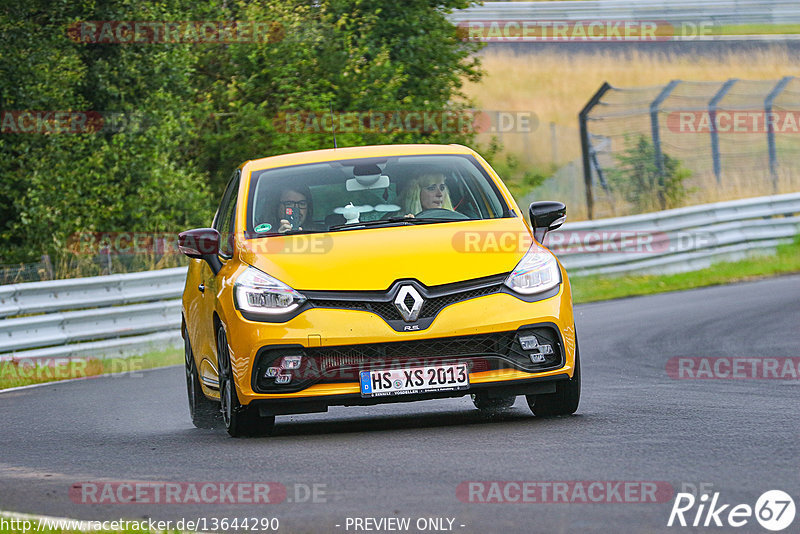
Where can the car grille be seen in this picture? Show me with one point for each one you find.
(384, 307)
(342, 363)
(483, 344)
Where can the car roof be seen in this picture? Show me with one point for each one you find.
(334, 154)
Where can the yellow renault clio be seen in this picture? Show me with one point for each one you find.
(376, 274)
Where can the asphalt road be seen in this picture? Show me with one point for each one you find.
(635, 423)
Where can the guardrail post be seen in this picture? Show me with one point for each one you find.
(773, 154)
(586, 147)
(655, 133)
(712, 115)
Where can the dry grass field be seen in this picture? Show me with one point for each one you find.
(555, 86)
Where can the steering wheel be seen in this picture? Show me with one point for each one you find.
(440, 213)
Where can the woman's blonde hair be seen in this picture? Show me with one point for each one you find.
(409, 196)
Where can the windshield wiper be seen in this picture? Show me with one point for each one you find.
(362, 224)
(290, 232)
(297, 232)
(390, 221)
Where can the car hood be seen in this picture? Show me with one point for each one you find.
(373, 258)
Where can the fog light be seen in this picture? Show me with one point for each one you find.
(272, 372)
(291, 362)
(529, 342)
(538, 352)
(283, 379)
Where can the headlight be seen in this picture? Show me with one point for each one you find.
(258, 292)
(536, 272)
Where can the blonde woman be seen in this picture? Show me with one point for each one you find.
(425, 192)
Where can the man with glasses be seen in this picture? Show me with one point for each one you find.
(294, 208)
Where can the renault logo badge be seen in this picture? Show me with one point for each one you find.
(409, 303)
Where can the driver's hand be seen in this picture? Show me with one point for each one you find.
(409, 215)
(285, 226)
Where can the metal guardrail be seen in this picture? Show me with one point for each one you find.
(127, 313)
(43, 297)
(101, 316)
(728, 12)
(678, 240)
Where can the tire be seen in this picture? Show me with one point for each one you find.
(239, 421)
(566, 398)
(203, 411)
(484, 402)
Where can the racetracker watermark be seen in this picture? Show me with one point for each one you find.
(739, 121)
(565, 492)
(51, 122)
(733, 368)
(166, 243)
(198, 524)
(565, 242)
(592, 30)
(162, 31)
(140, 492)
(39, 122)
(410, 121)
(32, 370)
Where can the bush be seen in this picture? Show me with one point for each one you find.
(637, 179)
(519, 180)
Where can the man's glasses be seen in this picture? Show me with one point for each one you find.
(434, 187)
(302, 204)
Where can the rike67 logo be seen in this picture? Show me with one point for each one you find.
(774, 510)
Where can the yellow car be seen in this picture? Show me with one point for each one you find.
(375, 274)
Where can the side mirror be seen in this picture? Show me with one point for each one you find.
(201, 244)
(546, 215)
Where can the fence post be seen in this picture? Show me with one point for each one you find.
(655, 134)
(585, 147)
(498, 127)
(773, 154)
(712, 115)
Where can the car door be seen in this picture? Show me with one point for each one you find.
(223, 223)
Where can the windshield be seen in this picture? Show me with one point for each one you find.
(354, 194)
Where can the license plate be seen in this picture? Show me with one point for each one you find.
(414, 380)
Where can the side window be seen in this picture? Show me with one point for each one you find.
(223, 223)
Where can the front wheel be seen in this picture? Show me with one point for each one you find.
(566, 398)
(239, 420)
(204, 412)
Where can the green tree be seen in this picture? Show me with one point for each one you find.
(197, 110)
(134, 179)
(639, 181)
(351, 55)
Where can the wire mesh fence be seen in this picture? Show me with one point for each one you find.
(686, 142)
(84, 265)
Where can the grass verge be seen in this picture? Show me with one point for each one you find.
(29, 372)
(594, 288)
(757, 29)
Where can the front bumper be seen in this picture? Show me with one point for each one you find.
(528, 386)
(317, 329)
